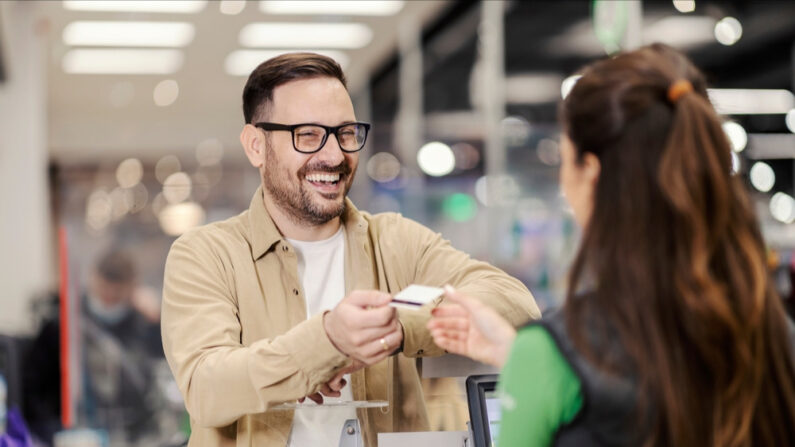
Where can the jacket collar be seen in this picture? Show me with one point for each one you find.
(263, 232)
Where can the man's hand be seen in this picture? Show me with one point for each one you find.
(332, 387)
(468, 327)
(364, 327)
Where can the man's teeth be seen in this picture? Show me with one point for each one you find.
(330, 178)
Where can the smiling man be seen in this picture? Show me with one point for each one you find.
(289, 300)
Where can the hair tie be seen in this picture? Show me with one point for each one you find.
(679, 88)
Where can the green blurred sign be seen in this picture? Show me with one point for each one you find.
(460, 207)
(610, 20)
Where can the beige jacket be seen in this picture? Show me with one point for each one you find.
(237, 339)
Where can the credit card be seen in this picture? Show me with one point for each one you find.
(415, 296)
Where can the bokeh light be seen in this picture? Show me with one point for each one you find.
(685, 6)
(231, 7)
(98, 209)
(499, 190)
(167, 166)
(436, 159)
(166, 92)
(790, 120)
(515, 130)
(736, 163)
(177, 187)
(178, 218)
(466, 155)
(737, 135)
(119, 203)
(129, 172)
(782, 207)
(548, 151)
(136, 198)
(383, 167)
(568, 84)
(728, 31)
(762, 176)
(209, 152)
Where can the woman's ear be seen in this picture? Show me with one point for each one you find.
(591, 168)
(253, 144)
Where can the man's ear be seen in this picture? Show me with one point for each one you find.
(253, 142)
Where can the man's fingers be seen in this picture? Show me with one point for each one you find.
(381, 347)
(326, 390)
(337, 383)
(368, 298)
(317, 398)
(367, 336)
(374, 317)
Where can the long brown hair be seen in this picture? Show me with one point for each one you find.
(677, 258)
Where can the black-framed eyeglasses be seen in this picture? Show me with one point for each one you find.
(309, 138)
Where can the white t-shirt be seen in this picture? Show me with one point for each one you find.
(321, 269)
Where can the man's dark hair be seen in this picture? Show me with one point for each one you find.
(116, 266)
(258, 92)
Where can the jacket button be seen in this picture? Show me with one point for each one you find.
(295, 291)
(284, 248)
(419, 352)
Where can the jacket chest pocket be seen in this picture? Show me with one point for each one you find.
(270, 301)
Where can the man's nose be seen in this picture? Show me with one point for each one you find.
(331, 152)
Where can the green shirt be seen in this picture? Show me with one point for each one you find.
(538, 390)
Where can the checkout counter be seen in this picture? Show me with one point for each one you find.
(483, 409)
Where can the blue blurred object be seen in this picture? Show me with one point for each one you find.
(3, 407)
(17, 434)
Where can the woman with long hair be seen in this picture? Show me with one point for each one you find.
(671, 332)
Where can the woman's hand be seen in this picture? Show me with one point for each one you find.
(465, 326)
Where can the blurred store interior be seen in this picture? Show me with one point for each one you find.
(119, 125)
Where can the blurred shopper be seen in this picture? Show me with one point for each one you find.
(671, 333)
(284, 300)
(119, 348)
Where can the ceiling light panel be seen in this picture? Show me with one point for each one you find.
(128, 34)
(332, 7)
(729, 101)
(682, 32)
(306, 35)
(179, 7)
(122, 61)
(243, 62)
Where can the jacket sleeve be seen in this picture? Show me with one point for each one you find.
(220, 379)
(434, 262)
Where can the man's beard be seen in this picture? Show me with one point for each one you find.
(294, 199)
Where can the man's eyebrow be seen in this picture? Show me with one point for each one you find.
(341, 123)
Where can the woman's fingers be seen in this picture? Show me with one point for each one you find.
(455, 323)
(470, 304)
(449, 310)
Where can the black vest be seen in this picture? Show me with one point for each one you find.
(608, 416)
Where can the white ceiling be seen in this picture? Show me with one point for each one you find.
(85, 126)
